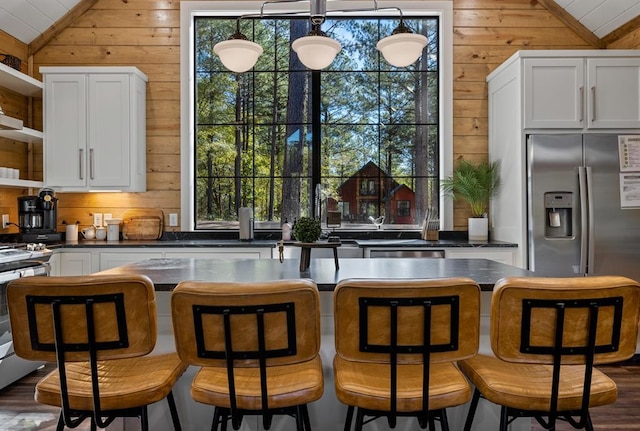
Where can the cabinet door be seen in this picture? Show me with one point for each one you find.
(613, 93)
(72, 263)
(239, 253)
(109, 130)
(554, 93)
(502, 256)
(111, 259)
(65, 125)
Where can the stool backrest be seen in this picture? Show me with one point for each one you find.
(118, 312)
(364, 318)
(536, 319)
(290, 311)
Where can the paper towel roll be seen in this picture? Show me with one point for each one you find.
(245, 217)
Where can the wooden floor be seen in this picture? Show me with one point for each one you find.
(19, 412)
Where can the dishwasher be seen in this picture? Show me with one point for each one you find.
(421, 254)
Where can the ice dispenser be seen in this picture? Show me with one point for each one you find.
(559, 214)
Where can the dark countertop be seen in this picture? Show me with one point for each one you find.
(184, 243)
(402, 243)
(195, 243)
(167, 273)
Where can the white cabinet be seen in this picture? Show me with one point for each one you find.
(613, 100)
(502, 255)
(75, 263)
(95, 128)
(225, 253)
(18, 82)
(580, 90)
(113, 259)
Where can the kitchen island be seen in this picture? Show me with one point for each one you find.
(167, 273)
(327, 413)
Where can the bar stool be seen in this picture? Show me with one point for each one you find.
(100, 331)
(258, 345)
(396, 343)
(547, 334)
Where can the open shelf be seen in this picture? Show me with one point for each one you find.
(23, 135)
(19, 82)
(7, 182)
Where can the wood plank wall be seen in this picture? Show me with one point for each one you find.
(145, 33)
(14, 154)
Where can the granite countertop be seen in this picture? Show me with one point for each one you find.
(181, 243)
(272, 243)
(167, 273)
(404, 243)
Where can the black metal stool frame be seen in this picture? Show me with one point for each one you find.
(425, 417)
(72, 418)
(558, 350)
(221, 414)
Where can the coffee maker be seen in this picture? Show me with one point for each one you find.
(37, 217)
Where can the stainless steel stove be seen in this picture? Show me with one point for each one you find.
(17, 260)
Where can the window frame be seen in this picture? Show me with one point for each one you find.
(191, 9)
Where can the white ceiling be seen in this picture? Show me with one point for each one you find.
(27, 19)
(602, 16)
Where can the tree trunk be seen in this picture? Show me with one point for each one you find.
(421, 144)
(295, 132)
(239, 144)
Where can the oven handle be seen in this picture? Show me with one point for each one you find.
(42, 270)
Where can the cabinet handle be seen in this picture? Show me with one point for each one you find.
(593, 103)
(581, 104)
(80, 163)
(91, 163)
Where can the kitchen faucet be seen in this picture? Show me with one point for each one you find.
(318, 201)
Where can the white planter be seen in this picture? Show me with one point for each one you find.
(478, 229)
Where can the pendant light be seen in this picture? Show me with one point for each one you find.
(403, 47)
(238, 54)
(317, 50)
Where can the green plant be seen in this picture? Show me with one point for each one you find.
(474, 183)
(307, 229)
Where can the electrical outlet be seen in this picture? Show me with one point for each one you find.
(97, 219)
(5, 221)
(173, 219)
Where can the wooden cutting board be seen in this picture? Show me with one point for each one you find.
(141, 224)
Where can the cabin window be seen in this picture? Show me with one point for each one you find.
(361, 128)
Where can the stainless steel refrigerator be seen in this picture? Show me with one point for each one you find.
(575, 222)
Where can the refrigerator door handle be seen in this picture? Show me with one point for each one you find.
(592, 234)
(582, 177)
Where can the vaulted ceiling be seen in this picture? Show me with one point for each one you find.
(595, 20)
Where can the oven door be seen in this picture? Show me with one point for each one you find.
(13, 368)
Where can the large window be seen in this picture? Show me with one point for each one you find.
(367, 132)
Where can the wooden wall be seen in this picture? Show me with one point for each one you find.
(145, 33)
(14, 154)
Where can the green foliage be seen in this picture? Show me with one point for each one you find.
(244, 122)
(307, 229)
(474, 183)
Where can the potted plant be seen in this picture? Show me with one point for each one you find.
(307, 229)
(475, 183)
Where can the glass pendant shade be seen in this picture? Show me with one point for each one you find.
(402, 49)
(238, 55)
(316, 52)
